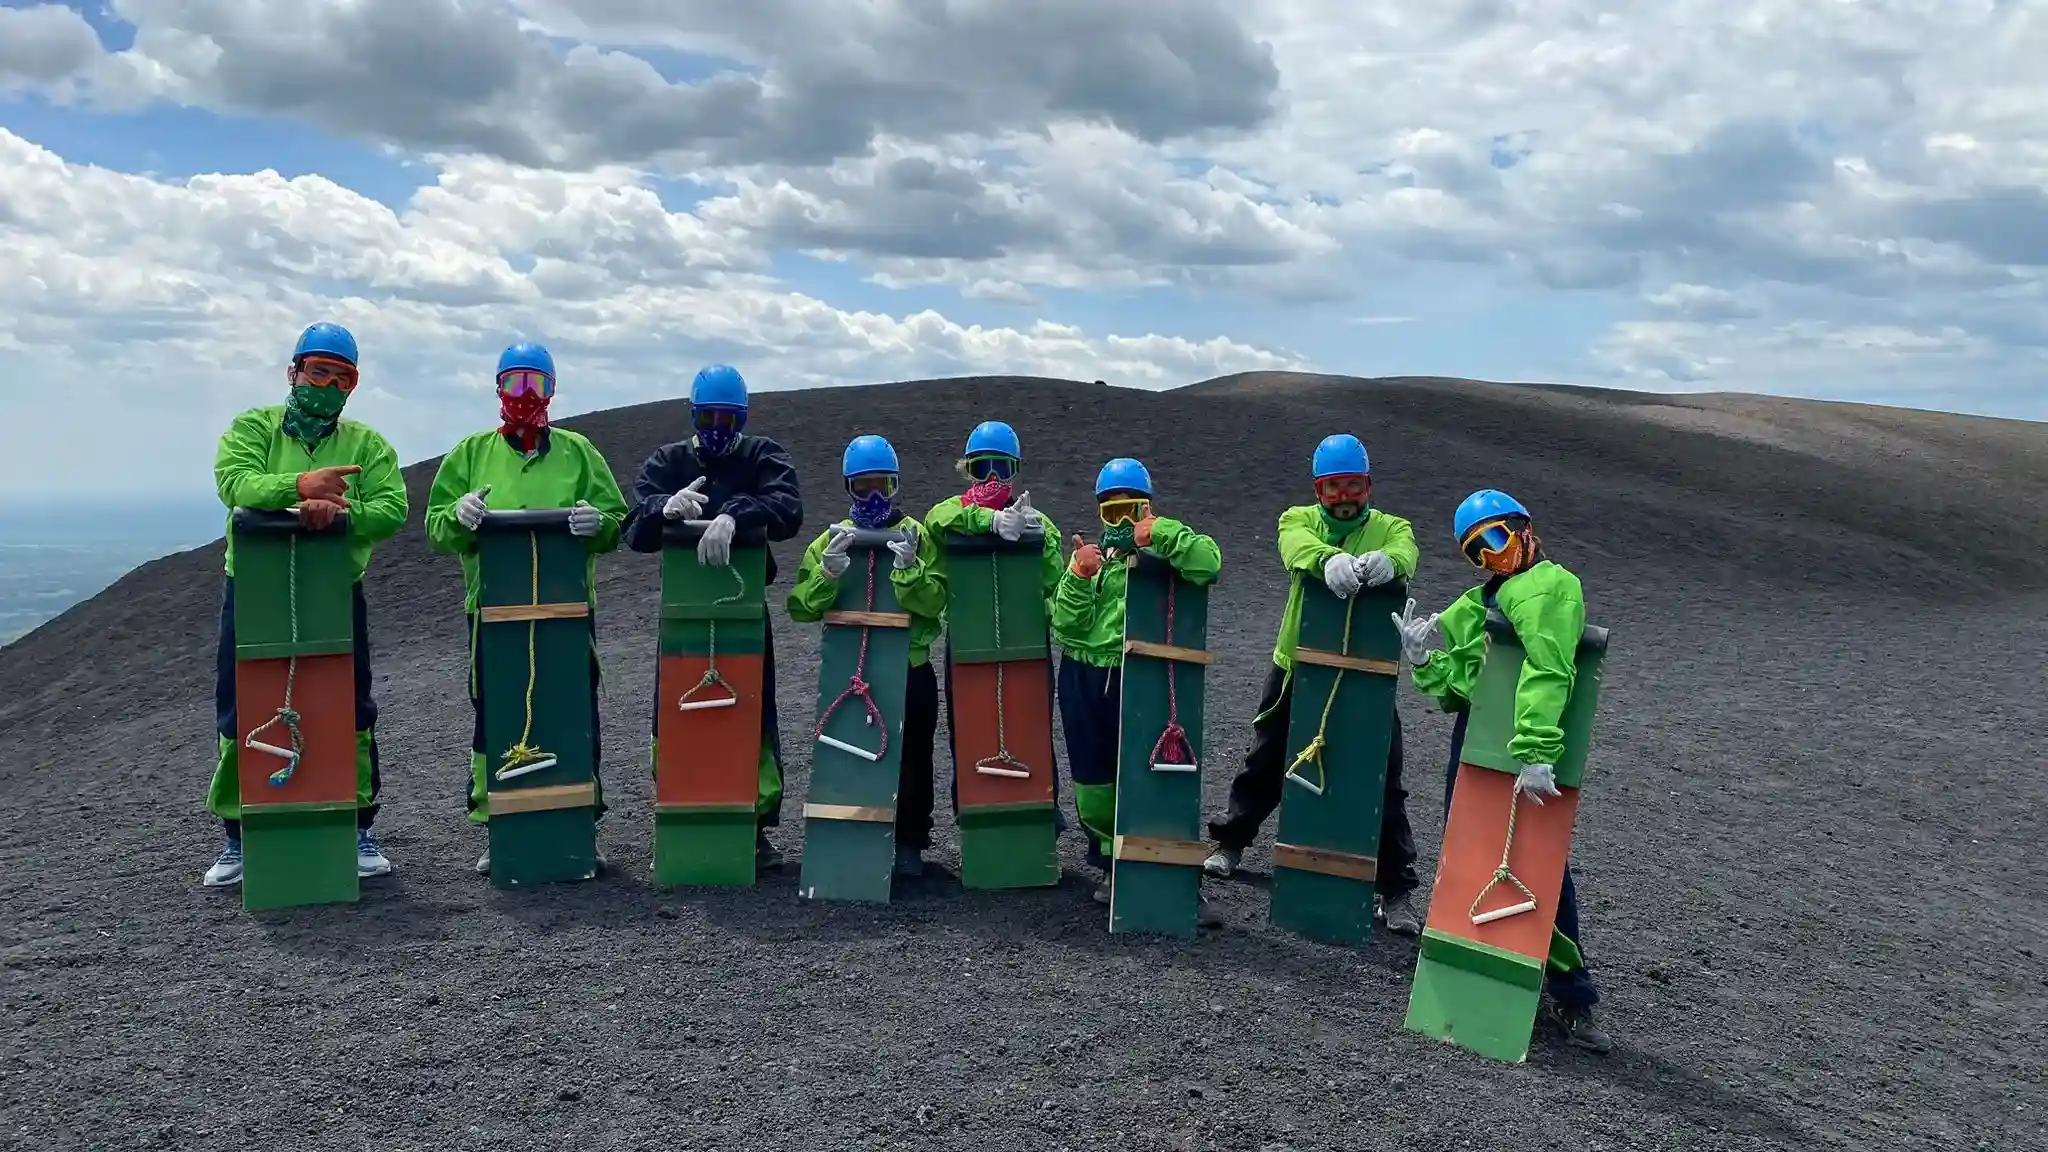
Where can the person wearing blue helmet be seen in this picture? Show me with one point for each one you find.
(304, 454)
(741, 483)
(872, 477)
(524, 462)
(992, 465)
(1348, 544)
(1546, 604)
(1088, 623)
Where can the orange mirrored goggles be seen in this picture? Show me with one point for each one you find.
(1493, 544)
(323, 372)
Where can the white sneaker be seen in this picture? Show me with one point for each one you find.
(370, 860)
(1222, 862)
(483, 863)
(227, 867)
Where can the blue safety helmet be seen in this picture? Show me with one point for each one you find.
(718, 386)
(1341, 455)
(526, 354)
(1123, 474)
(994, 438)
(326, 339)
(1482, 506)
(867, 455)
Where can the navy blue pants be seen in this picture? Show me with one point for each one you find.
(1573, 989)
(476, 705)
(1091, 712)
(227, 724)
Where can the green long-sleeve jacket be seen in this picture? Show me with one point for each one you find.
(570, 469)
(1547, 607)
(257, 466)
(919, 588)
(1088, 612)
(952, 515)
(1307, 540)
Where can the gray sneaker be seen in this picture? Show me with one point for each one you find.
(1398, 914)
(483, 863)
(1223, 861)
(765, 855)
(1577, 1027)
(227, 867)
(1102, 891)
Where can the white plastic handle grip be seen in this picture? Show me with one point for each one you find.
(1303, 781)
(694, 705)
(843, 746)
(523, 769)
(1504, 913)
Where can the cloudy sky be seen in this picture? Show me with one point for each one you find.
(1828, 198)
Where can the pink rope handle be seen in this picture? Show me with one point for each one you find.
(856, 684)
(1173, 742)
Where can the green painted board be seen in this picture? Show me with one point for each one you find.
(523, 558)
(704, 846)
(1345, 818)
(996, 615)
(850, 809)
(294, 597)
(269, 547)
(1159, 805)
(1492, 721)
(1478, 996)
(299, 855)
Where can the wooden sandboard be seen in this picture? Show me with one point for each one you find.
(850, 809)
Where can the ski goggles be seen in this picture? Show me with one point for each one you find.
(1334, 490)
(325, 372)
(991, 467)
(526, 382)
(1487, 544)
(717, 419)
(872, 484)
(1122, 510)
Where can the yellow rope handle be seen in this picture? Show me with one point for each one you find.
(1314, 752)
(524, 753)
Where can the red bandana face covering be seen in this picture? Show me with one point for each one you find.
(525, 417)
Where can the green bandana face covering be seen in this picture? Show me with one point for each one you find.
(1338, 529)
(310, 413)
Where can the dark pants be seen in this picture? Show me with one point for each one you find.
(771, 728)
(476, 705)
(227, 725)
(914, 783)
(1255, 793)
(1573, 989)
(1091, 712)
(953, 777)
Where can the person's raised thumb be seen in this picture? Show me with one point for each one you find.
(1078, 542)
(348, 469)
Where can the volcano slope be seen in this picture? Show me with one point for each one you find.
(1804, 849)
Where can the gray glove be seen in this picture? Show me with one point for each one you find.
(1011, 521)
(584, 520)
(1415, 634)
(1537, 781)
(469, 511)
(1341, 575)
(906, 548)
(715, 547)
(1375, 569)
(835, 560)
(687, 504)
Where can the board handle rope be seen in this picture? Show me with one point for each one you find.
(286, 714)
(1172, 752)
(857, 685)
(1313, 754)
(1504, 873)
(711, 675)
(523, 758)
(1002, 763)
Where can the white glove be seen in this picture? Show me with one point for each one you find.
(584, 520)
(1415, 634)
(906, 548)
(1374, 569)
(1537, 781)
(715, 546)
(1341, 575)
(469, 511)
(835, 560)
(687, 504)
(1011, 521)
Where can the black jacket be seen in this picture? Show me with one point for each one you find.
(755, 484)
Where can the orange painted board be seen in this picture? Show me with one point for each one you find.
(1473, 837)
(1027, 720)
(708, 755)
(324, 695)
